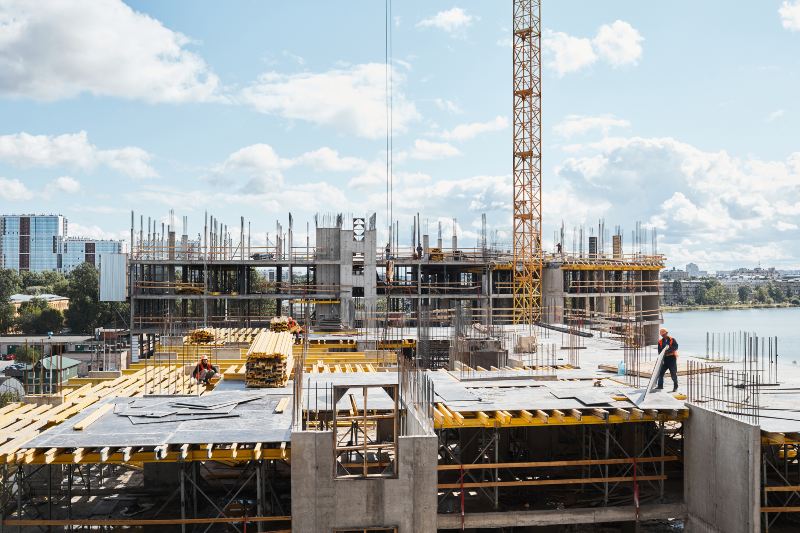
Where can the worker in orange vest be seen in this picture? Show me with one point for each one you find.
(670, 360)
(204, 371)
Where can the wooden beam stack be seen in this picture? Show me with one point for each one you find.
(200, 336)
(269, 360)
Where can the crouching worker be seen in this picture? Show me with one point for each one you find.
(204, 371)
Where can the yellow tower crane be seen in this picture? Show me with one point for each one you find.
(528, 256)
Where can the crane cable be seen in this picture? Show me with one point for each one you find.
(389, 140)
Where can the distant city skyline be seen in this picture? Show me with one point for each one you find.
(41, 243)
(228, 108)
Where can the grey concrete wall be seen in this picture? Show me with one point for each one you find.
(722, 473)
(327, 247)
(320, 503)
(553, 295)
(417, 423)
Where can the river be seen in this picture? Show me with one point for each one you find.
(689, 328)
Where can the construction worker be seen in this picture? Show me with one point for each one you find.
(204, 371)
(670, 360)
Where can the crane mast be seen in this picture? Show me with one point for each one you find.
(527, 284)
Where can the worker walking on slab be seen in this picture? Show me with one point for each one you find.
(670, 360)
(204, 371)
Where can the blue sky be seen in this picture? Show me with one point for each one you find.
(682, 115)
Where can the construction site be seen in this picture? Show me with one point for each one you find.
(339, 383)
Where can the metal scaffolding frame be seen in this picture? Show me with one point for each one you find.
(250, 498)
(612, 464)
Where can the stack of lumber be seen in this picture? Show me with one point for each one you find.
(269, 360)
(285, 323)
(279, 323)
(200, 336)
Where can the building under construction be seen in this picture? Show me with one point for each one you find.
(336, 281)
(419, 387)
(522, 428)
(411, 401)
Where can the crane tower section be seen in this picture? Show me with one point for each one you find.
(527, 161)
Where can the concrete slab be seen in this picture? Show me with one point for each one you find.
(250, 422)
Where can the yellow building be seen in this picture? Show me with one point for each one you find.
(54, 301)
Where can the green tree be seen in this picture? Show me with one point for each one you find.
(83, 293)
(762, 295)
(775, 293)
(50, 320)
(700, 295)
(718, 295)
(47, 281)
(86, 311)
(677, 290)
(36, 317)
(26, 354)
(8, 397)
(745, 293)
(29, 312)
(10, 283)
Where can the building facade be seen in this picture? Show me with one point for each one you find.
(54, 301)
(32, 242)
(79, 250)
(38, 243)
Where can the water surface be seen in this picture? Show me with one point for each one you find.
(689, 328)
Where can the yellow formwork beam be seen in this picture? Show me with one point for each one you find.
(540, 418)
(237, 455)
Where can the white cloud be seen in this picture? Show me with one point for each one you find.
(448, 105)
(374, 174)
(258, 168)
(95, 232)
(790, 15)
(54, 50)
(573, 125)
(329, 159)
(428, 150)
(619, 43)
(351, 99)
(259, 163)
(775, 115)
(13, 189)
(704, 204)
(73, 150)
(438, 198)
(565, 53)
(307, 199)
(66, 184)
(451, 21)
(463, 132)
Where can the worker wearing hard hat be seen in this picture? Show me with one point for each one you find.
(204, 371)
(669, 346)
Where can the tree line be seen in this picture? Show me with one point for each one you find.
(82, 286)
(712, 292)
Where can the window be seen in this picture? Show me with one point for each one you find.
(358, 263)
(365, 438)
